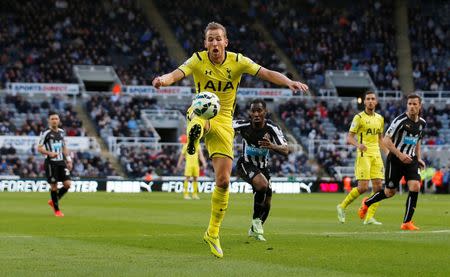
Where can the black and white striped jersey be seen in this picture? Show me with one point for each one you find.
(251, 151)
(53, 141)
(405, 133)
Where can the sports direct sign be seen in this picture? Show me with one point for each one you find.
(43, 88)
(149, 90)
(187, 91)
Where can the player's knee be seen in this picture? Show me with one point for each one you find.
(414, 186)
(363, 187)
(261, 185)
(389, 192)
(67, 184)
(222, 181)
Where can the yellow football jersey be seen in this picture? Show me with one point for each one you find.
(367, 129)
(221, 79)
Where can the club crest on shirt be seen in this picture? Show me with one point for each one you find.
(229, 73)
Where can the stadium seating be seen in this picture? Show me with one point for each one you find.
(41, 40)
(27, 116)
(430, 40)
(188, 20)
(31, 165)
(326, 35)
(322, 128)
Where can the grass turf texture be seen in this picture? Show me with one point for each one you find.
(159, 234)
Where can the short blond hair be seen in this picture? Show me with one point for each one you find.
(214, 26)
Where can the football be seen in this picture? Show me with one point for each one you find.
(206, 105)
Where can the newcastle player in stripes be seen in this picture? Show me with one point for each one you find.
(259, 135)
(58, 163)
(403, 139)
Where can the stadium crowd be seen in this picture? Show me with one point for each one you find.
(31, 164)
(325, 35)
(319, 122)
(430, 40)
(120, 117)
(189, 18)
(21, 117)
(41, 40)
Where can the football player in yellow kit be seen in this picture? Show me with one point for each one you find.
(366, 133)
(219, 71)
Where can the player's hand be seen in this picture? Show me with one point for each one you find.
(265, 143)
(421, 164)
(406, 159)
(52, 154)
(298, 86)
(69, 165)
(157, 82)
(362, 147)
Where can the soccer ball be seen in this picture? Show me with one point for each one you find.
(206, 105)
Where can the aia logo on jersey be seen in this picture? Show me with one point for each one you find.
(219, 86)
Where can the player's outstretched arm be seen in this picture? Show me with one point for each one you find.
(279, 79)
(168, 79)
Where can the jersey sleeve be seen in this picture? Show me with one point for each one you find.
(63, 134)
(356, 122)
(249, 66)
(188, 66)
(42, 138)
(279, 137)
(393, 128)
(238, 125)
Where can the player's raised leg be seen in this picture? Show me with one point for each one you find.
(195, 129)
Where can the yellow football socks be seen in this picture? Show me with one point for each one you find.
(372, 209)
(219, 204)
(185, 188)
(195, 188)
(354, 193)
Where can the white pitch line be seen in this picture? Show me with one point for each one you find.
(14, 236)
(369, 233)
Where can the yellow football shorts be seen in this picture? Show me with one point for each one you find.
(219, 138)
(191, 171)
(369, 167)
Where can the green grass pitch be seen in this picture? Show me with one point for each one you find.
(159, 234)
